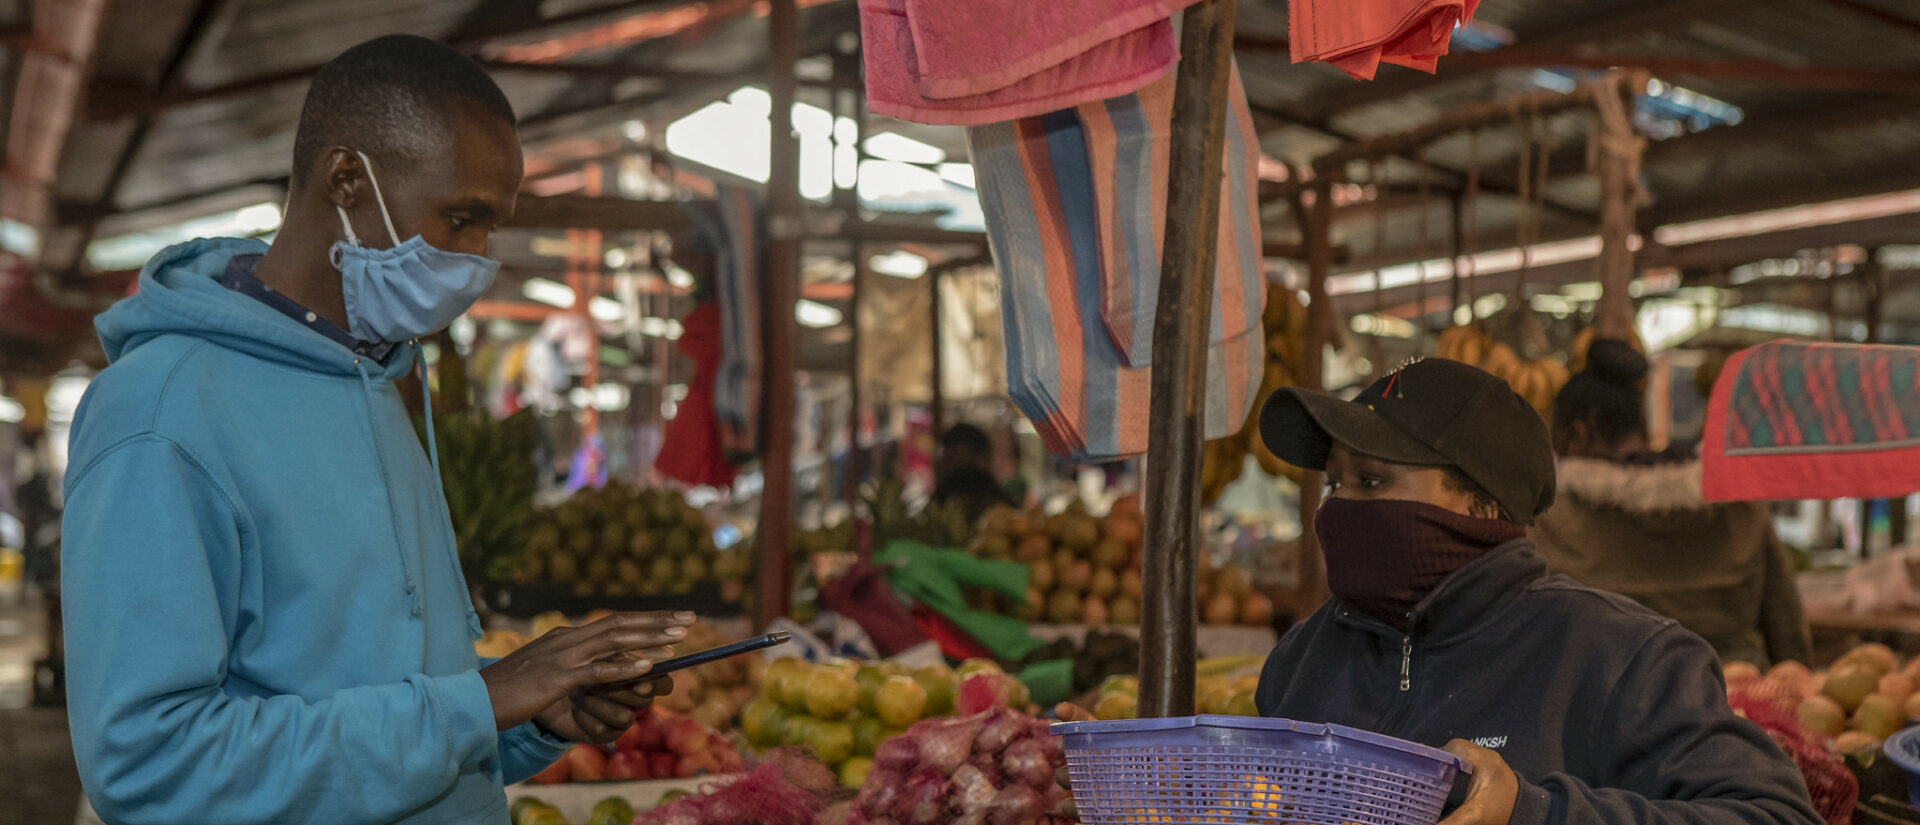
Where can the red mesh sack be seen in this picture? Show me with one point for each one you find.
(1774, 707)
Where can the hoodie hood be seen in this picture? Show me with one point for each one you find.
(1669, 487)
(181, 294)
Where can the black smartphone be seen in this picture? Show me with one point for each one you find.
(773, 639)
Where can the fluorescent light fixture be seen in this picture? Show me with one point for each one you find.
(634, 130)
(815, 314)
(132, 250)
(617, 258)
(1775, 319)
(19, 238)
(959, 174)
(1382, 325)
(551, 293)
(679, 278)
(1795, 217)
(659, 328)
(899, 263)
(896, 146)
(11, 411)
(609, 396)
(63, 396)
(605, 310)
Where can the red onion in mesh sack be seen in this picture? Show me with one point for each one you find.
(1016, 805)
(1000, 729)
(1835, 790)
(1026, 762)
(972, 790)
(921, 802)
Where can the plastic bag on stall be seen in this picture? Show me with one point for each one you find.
(1884, 584)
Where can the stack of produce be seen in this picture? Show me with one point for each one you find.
(1285, 323)
(529, 810)
(996, 766)
(487, 471)
(1864, 698)
(622, 541)
(659, 745)
(1227, 597)
(842, 711)
(1080, 569)
(783, 789)
(1217, 689)
(1086, 570)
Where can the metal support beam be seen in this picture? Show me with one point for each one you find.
(111, 98)
(605, 214)
(782, 273)
(1170, 607)
(1854, 78)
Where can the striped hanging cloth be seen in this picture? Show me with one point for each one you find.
(1792, 420)
(732, 229)
(1074, 201)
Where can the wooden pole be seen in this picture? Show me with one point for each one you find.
(856, 409)
(784, 233)
(1318, 232)
(1170, 610)
(937, 401)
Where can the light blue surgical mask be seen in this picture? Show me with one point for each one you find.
(409, 290)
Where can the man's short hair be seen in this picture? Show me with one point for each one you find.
(391, 97)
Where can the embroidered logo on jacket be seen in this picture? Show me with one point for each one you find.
(1492, 743)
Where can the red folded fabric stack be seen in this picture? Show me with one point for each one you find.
(984, 61)
(1358, 35)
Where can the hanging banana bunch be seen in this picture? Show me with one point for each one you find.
(1577, 353)
(1284, 321)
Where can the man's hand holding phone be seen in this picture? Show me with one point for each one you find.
(585, 683)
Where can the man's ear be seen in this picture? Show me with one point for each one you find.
(343, 177)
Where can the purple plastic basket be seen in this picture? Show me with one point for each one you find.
(1241, 769)
(1904, 749)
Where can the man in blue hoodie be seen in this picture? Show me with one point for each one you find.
(265, 616)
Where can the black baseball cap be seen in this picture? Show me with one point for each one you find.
(1434, 412)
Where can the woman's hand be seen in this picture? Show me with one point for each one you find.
(1069, 712)
(1492, 791)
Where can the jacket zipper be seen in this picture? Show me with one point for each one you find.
(1406, 663)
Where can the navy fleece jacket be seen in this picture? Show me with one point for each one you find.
(1608, 713)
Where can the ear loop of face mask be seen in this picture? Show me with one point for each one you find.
(367, 164)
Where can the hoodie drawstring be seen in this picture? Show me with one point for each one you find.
(433, 457)
(393, 516)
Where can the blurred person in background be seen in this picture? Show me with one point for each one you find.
(1632, 521)
(964, 472)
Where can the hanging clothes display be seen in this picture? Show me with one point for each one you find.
(982, 61)
(1075, 211)
(691, 451)
(731, 228)
(1358, 35)
(1790, 420)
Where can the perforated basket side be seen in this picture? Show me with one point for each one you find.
(1164, 774)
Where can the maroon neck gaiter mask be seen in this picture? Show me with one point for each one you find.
(1384, 556)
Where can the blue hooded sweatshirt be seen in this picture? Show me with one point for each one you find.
(265, 616)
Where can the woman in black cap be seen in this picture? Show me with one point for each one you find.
(1574, 706)
(1633, 521)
